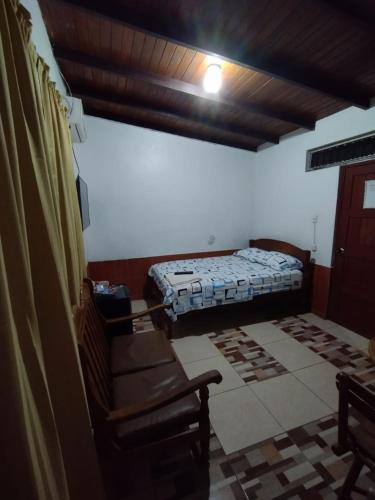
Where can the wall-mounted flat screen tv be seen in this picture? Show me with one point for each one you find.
(83, 200)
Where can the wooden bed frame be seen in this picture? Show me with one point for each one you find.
(261, 308)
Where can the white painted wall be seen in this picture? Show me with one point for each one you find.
(153, 193)
(286, 197)
(43, 46)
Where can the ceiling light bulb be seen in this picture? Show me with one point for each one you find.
(212, 79)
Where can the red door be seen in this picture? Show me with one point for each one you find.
(352, 301)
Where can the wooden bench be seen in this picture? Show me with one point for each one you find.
(139, 399)
(123, 353)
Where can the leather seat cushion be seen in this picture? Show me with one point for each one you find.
(146, 385)
(131, 353)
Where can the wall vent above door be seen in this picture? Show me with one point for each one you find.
(358, 148)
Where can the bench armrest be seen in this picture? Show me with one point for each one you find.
(150, 310)
(143, 408)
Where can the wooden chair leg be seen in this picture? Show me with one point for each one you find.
(204, 426)
(339, 450)
(351, 479)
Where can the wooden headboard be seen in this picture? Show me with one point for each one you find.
(284, 247)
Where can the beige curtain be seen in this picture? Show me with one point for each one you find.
(46, 450)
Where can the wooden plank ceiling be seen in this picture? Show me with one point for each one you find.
(286, 63)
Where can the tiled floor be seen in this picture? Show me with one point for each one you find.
(264, 333)
(283, 369)
(250, 360)
(239, 417)
(192, 349)
(138, 305)
(274, 415)
(321, 379)
(339, 331)
(294, 465)
(290, 401)
(292, 354)
(231, 380)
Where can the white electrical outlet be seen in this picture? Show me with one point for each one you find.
(314, 248)
(315, 219)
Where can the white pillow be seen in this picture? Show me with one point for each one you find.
(277, 260)
(252, 254)
(282, 262)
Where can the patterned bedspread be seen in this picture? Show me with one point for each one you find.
(224, 280)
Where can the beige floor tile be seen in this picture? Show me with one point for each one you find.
(192, 349)
(240, 420)
(290, 402)
(231, 379)
(292, 354)
(339, 331)
(264, 333)
(317, 320)
(138, 305)
(349, 337)
(321, 379)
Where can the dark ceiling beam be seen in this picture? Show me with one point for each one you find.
(169, 29)
(198, 119)
(92, 111)
(180, 86)
(353, 12)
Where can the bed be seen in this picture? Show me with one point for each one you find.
(232, 279)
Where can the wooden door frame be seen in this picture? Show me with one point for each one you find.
(339, 204)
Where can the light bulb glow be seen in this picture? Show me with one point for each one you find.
(212, 79)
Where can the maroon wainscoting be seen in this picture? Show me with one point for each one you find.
(133, 272)
(321, 283)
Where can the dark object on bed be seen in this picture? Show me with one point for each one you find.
(261, 308)
(360, 439)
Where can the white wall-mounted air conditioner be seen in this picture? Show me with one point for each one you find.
(76, 121)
